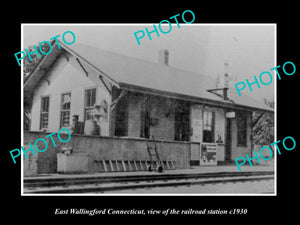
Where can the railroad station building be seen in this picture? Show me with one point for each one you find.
(117, 105)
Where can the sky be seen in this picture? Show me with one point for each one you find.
(248, 49)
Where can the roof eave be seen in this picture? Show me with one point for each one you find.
(114, 82)
(228, 105)
(33, 79)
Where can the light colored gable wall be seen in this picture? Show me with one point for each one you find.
(67, 76)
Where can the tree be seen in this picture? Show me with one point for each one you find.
(263, 131)
(29, 66)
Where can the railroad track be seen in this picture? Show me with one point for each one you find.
(92, 184)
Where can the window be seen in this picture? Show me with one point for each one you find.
(44, 112)
(208, 126)
(65, 110)
(182, 121)
(90, 100)
(241, 130)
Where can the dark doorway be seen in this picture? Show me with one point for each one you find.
(228, 140)
(121, 127)
(182, 121)
(145, 118)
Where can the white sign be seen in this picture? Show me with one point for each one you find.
(230, 115)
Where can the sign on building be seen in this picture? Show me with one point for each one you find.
(208, 154)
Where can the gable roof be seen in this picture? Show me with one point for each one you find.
(140, 75)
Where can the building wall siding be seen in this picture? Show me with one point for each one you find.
(164, 113)
(67, 76)
(164, 129)
(134, 114)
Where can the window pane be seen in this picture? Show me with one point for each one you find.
(89, 114)
(66, 101)
(45, 104)
(208, 120)
(44, 112)
(93, 97)
(65, 110)
(44, 121)
(87, 98)
(90, 97)
(65, 117)
(208, 126)
(90, 100)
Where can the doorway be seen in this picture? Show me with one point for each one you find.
(145, 118)
(228, 140)
(182, 121)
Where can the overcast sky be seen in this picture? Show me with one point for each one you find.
(201, 48)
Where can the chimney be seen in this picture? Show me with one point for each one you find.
(163, 57)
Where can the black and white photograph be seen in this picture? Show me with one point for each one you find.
(163, 117)
(144, 113)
